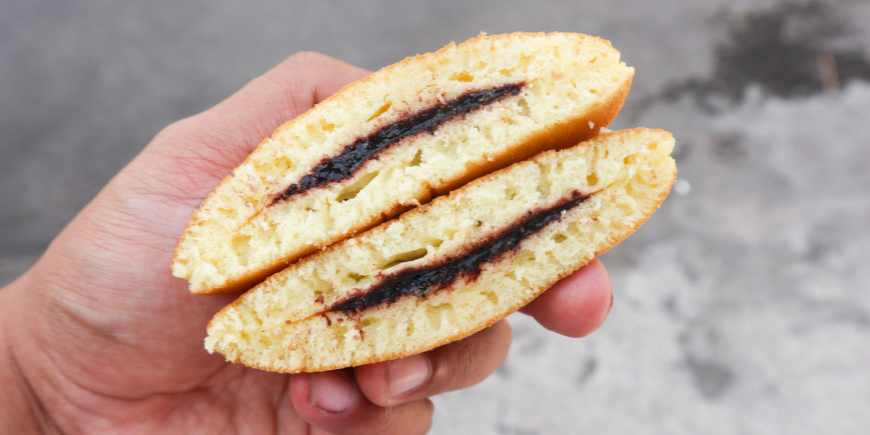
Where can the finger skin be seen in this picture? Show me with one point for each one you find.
(363, 417)
(189, 158)
(281, 94)
(453, 366)
(577, 305)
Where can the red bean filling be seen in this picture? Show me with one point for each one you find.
(423, 281)
(355, 155)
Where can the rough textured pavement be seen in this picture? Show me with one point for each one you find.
(741, 307)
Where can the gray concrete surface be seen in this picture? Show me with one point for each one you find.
(742, 307)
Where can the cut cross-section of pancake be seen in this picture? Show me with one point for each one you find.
(392, 141)
(454, 266)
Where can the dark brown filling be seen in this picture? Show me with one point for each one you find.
(355, 155)
(421, 282)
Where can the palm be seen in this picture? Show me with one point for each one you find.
(148, 332)
(134, 330)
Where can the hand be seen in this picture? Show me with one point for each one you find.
(99, 337)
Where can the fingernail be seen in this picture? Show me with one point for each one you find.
(332, 392)
(407, 374)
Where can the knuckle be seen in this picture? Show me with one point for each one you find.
(469, 361)
(308, 58)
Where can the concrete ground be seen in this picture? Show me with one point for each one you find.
(741, 307)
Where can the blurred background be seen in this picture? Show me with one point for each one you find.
(741, 307)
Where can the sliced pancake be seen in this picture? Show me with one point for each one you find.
(405, 134)
(447, 269)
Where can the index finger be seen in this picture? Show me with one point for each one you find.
(194, 154)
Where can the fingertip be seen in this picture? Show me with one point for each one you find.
(453, 366)
(394, 382)
(300, 385)
(578, 304)
(332, 402)
(326, 393)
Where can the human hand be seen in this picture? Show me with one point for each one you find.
(99, 337)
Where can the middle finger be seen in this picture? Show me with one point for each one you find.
(450, 367)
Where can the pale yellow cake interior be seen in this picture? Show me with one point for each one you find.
(572, 86)
(280, 324)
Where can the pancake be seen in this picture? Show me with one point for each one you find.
(394, 140)
(452, 267)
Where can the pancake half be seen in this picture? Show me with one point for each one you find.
(394, 140)
(454, 266)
